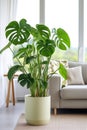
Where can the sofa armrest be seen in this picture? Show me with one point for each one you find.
(54, 87)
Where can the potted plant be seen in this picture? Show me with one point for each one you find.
(37, 47)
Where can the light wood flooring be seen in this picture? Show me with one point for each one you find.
(9, 116)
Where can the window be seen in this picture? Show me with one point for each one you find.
(64, 14)
(85, 28)
(67, 14)
(28, 9)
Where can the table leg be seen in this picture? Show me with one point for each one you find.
(13, 95)
(8, 94)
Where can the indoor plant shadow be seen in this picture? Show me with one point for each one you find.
(37, 47)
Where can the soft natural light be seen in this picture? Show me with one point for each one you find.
(85, 28)
(85, 23)
(64, 14)
(28, 9)
(58, 13)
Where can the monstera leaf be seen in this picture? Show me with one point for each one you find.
(13, 70)
(64, 40)
(61, 38)
(28, 59)
(44, 31)
(25, 79)
(46, 48)
(63, 71)
(17, 33)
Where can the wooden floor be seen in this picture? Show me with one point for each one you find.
(10, 115)
(57, 122)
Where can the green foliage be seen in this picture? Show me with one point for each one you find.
(17, 33)
(63, 71)
(6, 47)
(13, 70)
(44, 31)
(37, 45)
(25, 79)
(63, 38)
(46, 48)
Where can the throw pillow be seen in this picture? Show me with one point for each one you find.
(75, 75)
(54, 64)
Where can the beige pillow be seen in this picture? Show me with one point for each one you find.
(75, 75)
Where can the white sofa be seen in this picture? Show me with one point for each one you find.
(70, 96)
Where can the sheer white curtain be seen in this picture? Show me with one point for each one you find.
(7, 13)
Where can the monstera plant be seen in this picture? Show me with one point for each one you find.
(37, 45)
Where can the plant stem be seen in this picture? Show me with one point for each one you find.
(18, 60)
(6, 47)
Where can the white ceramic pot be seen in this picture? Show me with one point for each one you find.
(37, 110)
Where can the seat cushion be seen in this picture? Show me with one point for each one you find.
(74, 92)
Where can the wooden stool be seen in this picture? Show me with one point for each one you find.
(10, 85)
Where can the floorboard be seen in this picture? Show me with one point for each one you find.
(10, 115)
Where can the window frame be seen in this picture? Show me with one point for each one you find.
(81, 55)
(81, 49)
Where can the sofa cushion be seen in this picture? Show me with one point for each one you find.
(74, 92)
(75, 75)
(84, 69)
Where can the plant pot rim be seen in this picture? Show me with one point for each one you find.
(29, 95)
